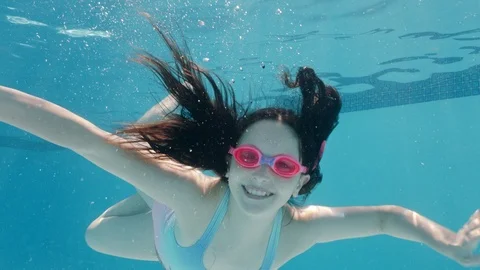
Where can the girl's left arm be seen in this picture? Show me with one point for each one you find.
(330, 224)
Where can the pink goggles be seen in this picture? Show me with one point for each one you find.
(248, 156)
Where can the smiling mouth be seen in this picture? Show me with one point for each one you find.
(256, 193)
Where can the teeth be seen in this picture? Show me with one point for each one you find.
(257, 192)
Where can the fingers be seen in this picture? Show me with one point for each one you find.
(475, 234)
(475, 218)
(473, 223)
(473, 239)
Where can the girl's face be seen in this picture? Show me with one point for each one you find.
(260, 189)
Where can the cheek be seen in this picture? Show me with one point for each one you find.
(286, 186)
(237, 173)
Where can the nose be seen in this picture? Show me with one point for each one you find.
(263, 169)
(260, 180)
(262, 175)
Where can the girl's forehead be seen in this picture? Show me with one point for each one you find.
(271, 138)
(269, 129)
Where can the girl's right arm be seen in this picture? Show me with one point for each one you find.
(166, 182)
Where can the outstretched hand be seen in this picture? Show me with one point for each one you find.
(467, 242)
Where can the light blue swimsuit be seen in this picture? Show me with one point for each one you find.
(175, 257)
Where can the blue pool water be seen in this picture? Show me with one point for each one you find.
(408, 71)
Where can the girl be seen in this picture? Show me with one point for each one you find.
(246, 216)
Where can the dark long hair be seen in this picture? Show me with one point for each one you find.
(211, 120)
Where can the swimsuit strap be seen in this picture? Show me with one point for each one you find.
(273, 242)
(217, 219)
